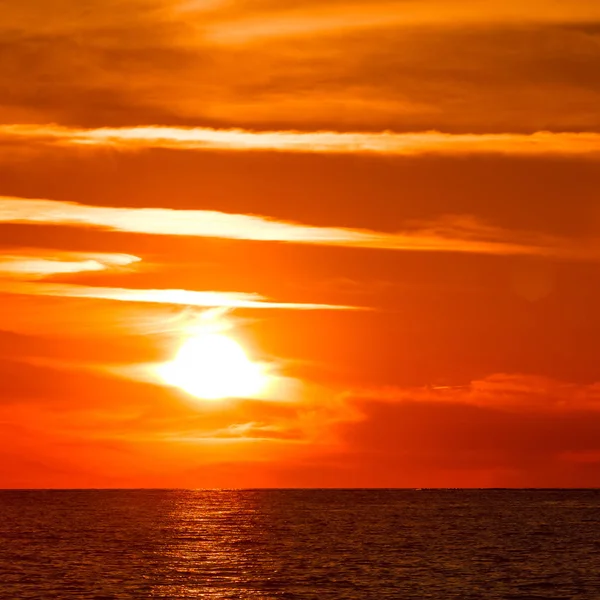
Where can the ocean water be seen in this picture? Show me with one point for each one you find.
(305, 544)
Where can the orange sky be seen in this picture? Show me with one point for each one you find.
(393, 205)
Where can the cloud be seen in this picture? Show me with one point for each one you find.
(408, 65)
(505, 391)
(389, 143)
(256, 21)
(504, 430)
(33, 265)
(450, 234)
(161, 296)
(244, 432)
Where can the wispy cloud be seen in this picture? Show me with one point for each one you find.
(243, 432)
(32, 264)
(451, 234)
(505, 391)
(207, 299)
(247, 23)
(389, 143)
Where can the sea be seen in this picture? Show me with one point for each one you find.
(300, 544)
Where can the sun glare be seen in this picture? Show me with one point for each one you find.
(213, 366)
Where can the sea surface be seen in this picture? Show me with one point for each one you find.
(305, 544)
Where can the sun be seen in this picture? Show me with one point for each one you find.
(213, 366)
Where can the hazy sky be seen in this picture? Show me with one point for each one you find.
(391, 205)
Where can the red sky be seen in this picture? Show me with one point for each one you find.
(393, 205)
